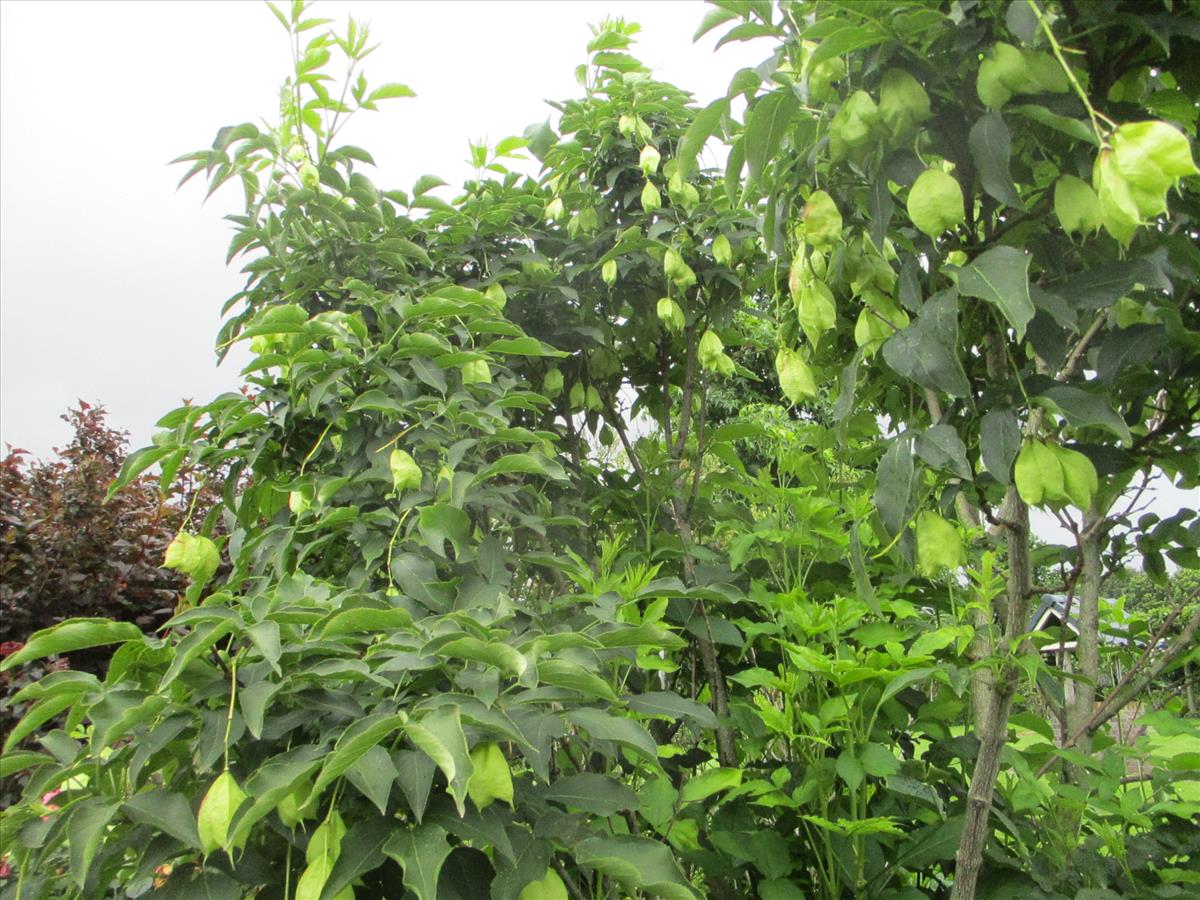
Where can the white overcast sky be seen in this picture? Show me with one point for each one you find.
(111, 282)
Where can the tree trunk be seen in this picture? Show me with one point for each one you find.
(993, 713)
(1087, 644)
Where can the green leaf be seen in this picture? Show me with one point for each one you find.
(1084, 409)
(373, 622)
(85, 830)
(858, 566)
(38, 715)
(709, 782)
(599, 795)
(566, 674)
(999, 441)
(523, 346)
(72, 635)
(845, 40)
(440, 523)
(165, 811)
(390, 91)
(605, 727)
(878, 761)
(440, 735)
(362, 852)
(199, 641)
(373, 774)
(911, 787)
(522, 464)
(942, 448)
(850, 770)
(1001, 277)
(377, 400)
(991, 147)
(895, 479)
(265, 636)
(769, 120)
(672, 706)
(637, 862)
(1076, 205)
(421, 851)
(352, 745)
(22, 761)
(703, 126)
(505, 658)
(927, 351)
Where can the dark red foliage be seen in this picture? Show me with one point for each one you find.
(64, 552)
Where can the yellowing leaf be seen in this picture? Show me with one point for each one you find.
(492, 778)
(903, 103)
(822, 221)
(935, 202)
(217, 809)
(1038, 474)
(194, 555)
(670, 314)
(406, 474)
(795, 377)
(721, 250)
(651, 198)
(1076, 205)
(549, 887)
(939, 545)
(649, 159)
(1079, 477)
(476, 371)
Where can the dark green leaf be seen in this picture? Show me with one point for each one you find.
(637, 862)
(165, 811)
(374, 774)
(69, 636)
(1084, 409)
(999, 441)
(605, 727)
(698, 133)
(895, 479)
(362, 852)
(86, 828)
(440, 523)
(672, 706)
(769, 121)
(596, 794)
(1001, 277)
(991, 147)
(421, 851)
(942, 448)
(927, 350)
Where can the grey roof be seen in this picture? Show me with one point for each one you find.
(1057, 603)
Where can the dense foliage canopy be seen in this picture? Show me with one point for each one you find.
(642, 529)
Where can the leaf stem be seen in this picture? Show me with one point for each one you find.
(232, 696)
(1058, 54)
